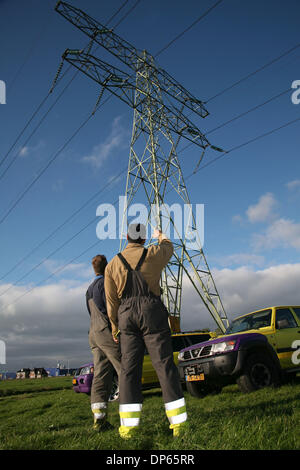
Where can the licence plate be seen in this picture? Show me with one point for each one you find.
(191, 378)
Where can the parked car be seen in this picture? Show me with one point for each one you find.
(83, 378)
(257, 350)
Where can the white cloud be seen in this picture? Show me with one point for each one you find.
(243, 290)
(81, 270)
(263, 210)
(112, 143)
(281, 233)
(241, 259)
(293, 185)
(51, 323)
(24, 151)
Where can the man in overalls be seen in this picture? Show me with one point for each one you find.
(106, 353)
(135, 309)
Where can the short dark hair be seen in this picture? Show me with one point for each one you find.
(99, 263)
(136, 233)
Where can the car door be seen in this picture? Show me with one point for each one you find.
(287, 331)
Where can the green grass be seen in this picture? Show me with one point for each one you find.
(47, 414)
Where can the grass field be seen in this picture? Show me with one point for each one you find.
(47, 414)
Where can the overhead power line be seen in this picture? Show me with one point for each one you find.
(189, 176)
(254, 108)
(237, 147)
(30, 120)
(44, 169)
(117, 12)
(268, 64)
(126, 14)
(104, 188)
(188, 28)
(51, 275)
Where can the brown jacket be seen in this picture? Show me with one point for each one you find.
(115, 277)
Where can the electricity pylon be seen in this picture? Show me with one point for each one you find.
(154, 173)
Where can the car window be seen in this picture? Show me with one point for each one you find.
(195, 339)
(297, 312)
(251, 322)
(85, 370)
(178, 343)
(285, 319)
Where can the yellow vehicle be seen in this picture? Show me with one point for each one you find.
(259, 349)
(82, 381)
(180, 341)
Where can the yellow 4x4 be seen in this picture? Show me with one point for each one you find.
(82, 381)
(179, 341)
(258, 349)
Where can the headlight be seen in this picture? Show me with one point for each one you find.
(222, 347)
(180, 356)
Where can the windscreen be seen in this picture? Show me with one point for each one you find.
(251, 322)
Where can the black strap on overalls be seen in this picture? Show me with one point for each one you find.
(135, 286)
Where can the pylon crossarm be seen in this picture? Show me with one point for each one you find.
(128, 54)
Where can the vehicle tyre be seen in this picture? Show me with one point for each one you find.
(259, 372)
(114, 394)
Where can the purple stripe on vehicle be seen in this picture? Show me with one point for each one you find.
(238, 337)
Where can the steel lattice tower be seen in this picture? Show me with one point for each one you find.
(154, 173)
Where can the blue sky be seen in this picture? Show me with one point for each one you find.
(251, 196)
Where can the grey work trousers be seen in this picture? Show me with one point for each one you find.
(107, 357)
(144, 321)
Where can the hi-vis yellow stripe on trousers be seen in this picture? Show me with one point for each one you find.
(99, 410)
(176, 411)
(130, 414)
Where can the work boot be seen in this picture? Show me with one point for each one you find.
(102, 425)
(128, 432)
(179, 429)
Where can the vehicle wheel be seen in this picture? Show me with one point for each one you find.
(259, 371)
(197, 389)
(114, 395)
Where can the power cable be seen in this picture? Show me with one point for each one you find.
(57, 154)
(233, 149)
(51, 275)
(104, 188)
(118, 11)
(252, 73)
(45, 99)
(254, 108)
(188, 28)
(126, 14)
(189, 176)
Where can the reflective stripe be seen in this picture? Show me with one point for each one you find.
(131, 407)
(129, 422)
(175, 404)
(99, 410)
(176, 411)
(178, 418)
(98, 405)
(130, 414)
